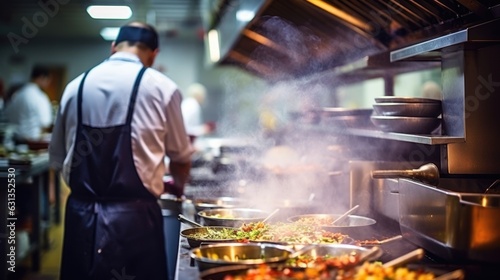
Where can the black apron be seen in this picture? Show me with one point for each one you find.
(113, 224)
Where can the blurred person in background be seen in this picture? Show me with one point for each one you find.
(115, 125)
(29, 108)
(431, 89)
(192, 112)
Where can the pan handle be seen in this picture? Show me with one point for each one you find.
(407, 258)
(185, 220)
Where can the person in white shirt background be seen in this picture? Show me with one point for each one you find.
(191, 107)
(29, 108)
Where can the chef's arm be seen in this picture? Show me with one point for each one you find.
(180, 174)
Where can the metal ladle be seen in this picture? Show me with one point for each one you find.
(427, 173)
(270, 215)
(185, 220)
(344, 216)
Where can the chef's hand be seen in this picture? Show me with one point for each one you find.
(171, 188)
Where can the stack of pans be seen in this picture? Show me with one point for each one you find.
(407, 114)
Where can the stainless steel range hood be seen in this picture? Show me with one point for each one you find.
(293, 38)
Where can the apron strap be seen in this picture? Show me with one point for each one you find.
(134, 95)
(79, 99)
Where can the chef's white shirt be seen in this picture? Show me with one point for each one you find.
(30, 111)
(157, 124)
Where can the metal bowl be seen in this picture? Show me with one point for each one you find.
(250, 254)
(411, 125)
(208, 235)
(354, 226)
(231, 217)
(427, 109)
(404, 99)
(201, 204)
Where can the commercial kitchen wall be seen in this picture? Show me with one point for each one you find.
(233, 93)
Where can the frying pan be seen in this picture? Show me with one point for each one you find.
(194, 242)
(318, 251)
(195, 235)
(357, 227)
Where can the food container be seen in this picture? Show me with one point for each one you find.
(425, 109)
(451, 220)
(410, 125)
(209, 235)
(354, 226)
(248, 254)
(405, 99)
(231, 217)
(346, 118)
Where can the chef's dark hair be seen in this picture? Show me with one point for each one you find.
(138, 34)
(39, 71)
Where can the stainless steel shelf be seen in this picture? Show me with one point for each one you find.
(413, 138)
(375, 66)
(373, 133)
(476, 36)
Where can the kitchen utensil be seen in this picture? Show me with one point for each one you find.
(185, 220)
(453, 275)
(428, 173)
(198, 236)
(223, 272)
(409, 125)
(201, 204)
(354, 226)
(339, 220)
(344, 117)
(217, 255)
(493, 188)
(379, 242)
(414, 255)
(231, 217)
(404, 99)
(337, 250)
(425, 109)
(270, 215)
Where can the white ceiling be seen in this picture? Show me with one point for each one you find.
(63, 19)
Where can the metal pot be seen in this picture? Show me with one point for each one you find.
(231, 217)
(217, 255)
(357, 227)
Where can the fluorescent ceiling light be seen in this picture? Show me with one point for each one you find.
(109, 12)
(110, 33)
(244, 15)
(213, 45)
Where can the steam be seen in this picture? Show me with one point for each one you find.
(285, 166)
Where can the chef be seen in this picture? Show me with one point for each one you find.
(115, 124)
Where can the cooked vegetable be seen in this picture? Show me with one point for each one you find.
(368, 271)
(296, 232)
(215, 234)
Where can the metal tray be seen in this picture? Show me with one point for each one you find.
(451, 224)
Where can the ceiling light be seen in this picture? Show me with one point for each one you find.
(110, 33)
(244, 15)
(213, 45)
(340, 14)
(109, 12)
